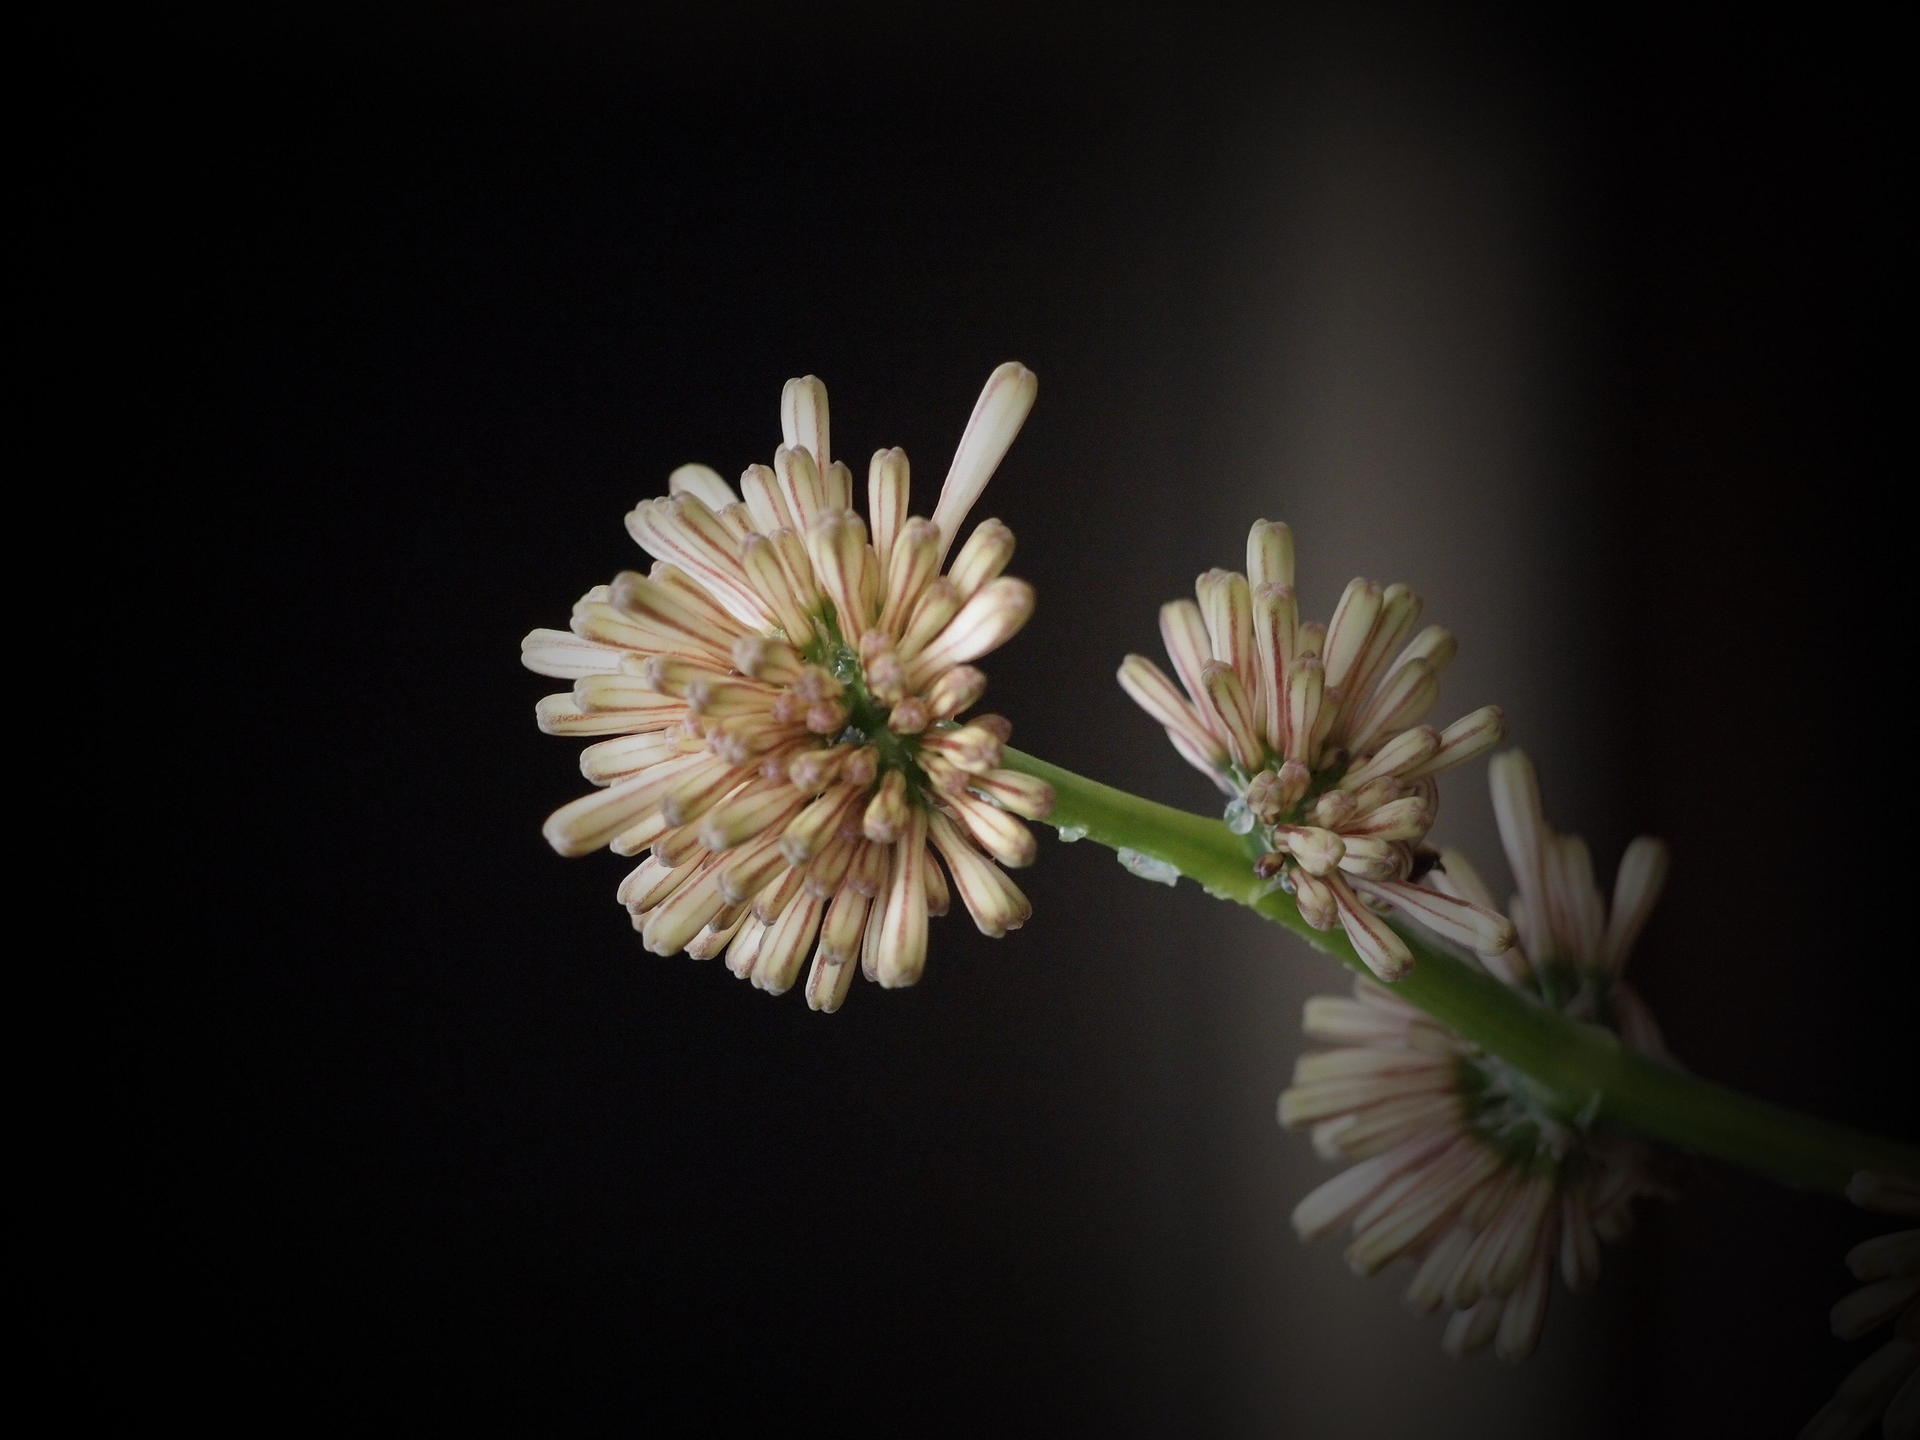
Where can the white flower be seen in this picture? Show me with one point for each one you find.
(1316, 731)
(780, 699)
(1462, 1167)
(1886, 1384)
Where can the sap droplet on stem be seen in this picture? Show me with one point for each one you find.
(1148, 868)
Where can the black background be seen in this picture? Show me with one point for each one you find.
(403, 310)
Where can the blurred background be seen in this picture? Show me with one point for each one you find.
(1581, 331)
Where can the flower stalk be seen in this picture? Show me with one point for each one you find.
(1582, 1071)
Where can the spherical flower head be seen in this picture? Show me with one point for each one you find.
(1315, 733)
(1462, 1166)
(780, 699)
(1886, 1385)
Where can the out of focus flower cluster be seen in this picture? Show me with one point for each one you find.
(1461, 1166)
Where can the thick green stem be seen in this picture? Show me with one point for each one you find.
(1584, 1069)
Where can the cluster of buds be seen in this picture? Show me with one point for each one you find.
(1886, 1385)
(1460, 1164)
(781, 698)
(1315, 732)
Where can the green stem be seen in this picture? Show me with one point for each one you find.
(1584, 1068)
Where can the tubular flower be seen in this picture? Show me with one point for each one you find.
(1314, 731)
(777, 710)
(1886, 1385)
(1462, 1166)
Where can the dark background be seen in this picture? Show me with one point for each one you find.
(1587, 331)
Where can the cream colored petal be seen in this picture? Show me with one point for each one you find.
(563, 655)
(997, 416)
(804, 418)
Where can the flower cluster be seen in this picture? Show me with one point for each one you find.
(778, 702)
(1462, 1166)
(780, 710)
(1887, 1383)
(1314, 731)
